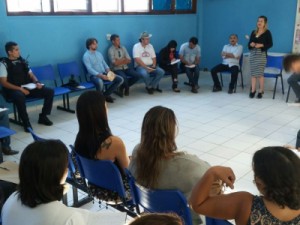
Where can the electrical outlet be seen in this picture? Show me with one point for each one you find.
(108, 37)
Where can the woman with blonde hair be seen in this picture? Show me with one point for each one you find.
(259, 43)
(157, 164)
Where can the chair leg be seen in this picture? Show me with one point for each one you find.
(16, 120)
(66, 104)
(275, 87)
(288, 94)
(282, 85)
(221, 77)
(242, 79)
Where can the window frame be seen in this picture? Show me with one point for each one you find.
(90, 11)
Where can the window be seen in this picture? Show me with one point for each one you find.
(90, 7)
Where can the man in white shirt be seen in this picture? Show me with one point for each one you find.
(146, 64)
(231, 55)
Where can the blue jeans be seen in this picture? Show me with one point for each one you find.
(131, 73)
(151, 79)
(113, 85)
(193, 75)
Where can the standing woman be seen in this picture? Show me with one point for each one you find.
(167, 56)
(259, 43)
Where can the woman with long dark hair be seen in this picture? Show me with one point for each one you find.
(259, 43)
(43, 171)
(157, 164)
(94, 139)
(277, 177)
(167, 58)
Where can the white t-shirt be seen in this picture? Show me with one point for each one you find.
(146, 54)
(14, 212)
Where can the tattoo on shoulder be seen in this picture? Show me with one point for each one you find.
(106, 144)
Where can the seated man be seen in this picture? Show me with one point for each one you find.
(189, 55)
(231, 55)
(291, 63)
(145, 63)
(98, 69)
(5, 142)
(120, 59)
(14, 72)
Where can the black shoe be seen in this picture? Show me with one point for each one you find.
(126, 92)
(45, 121)
(259, 95)
(158, 90)
(297, 100)
(194, 90)
(197, 86)
(216, 89)
(149, 90)
(9, 151)
(252, 94)
(26, 125)
(230, 91)
(109, 99)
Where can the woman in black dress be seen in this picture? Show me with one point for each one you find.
(167, 56)
(259, 43)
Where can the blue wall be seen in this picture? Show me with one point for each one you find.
(222, 17)
(54, 39)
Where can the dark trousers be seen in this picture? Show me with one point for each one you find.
(234, 70)
(4, 122)
(193, 75)
(19, 99)
(298, 140)
(128, 82)
(173, 70)
(293, 82)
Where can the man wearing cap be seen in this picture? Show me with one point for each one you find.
(189, 55)
(145, 63)
(98, 70)
(119, 60)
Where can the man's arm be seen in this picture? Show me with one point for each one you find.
(8, 85)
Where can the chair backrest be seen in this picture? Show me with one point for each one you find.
(163, 201)
(34, 136)
(241, 61)
(101, 173)
(67, 69)
(44, 72)
(274, 62)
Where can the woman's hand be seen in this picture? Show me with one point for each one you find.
(252, 44)
(225, 174)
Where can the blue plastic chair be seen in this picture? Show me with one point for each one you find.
(71, 68)
(34, 136)
(5, 132)
(162, 201)
(229, 73)
(274, 63)
(105, 174)
(46, 73)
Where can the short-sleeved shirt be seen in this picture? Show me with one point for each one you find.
(236, 50)
(188, 53)
(118, 53)
(94, 63)
(14, 212)
(3, 70)
(146, 54)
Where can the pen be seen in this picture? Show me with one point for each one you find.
(4, 168)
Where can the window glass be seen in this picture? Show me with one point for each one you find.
(161, 4)
(183, 5)
(106, 5)
(70, 5)
(28, 5)
(136, 5)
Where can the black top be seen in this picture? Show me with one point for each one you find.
(265, 39)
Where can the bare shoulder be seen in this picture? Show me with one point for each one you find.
(117, 142)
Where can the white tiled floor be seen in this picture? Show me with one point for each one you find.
(217, 127)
